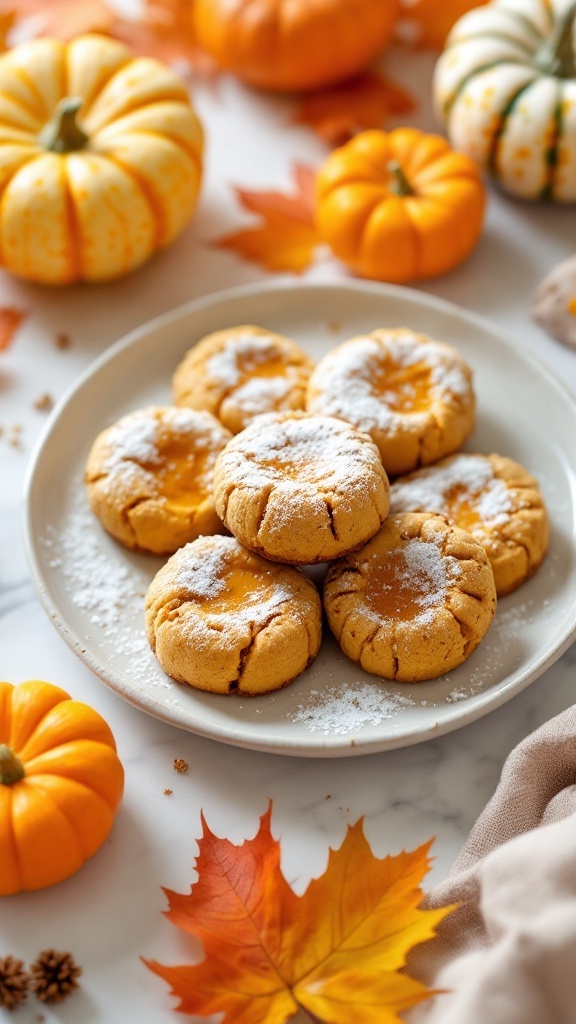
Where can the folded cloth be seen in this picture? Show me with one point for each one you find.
(508, 954)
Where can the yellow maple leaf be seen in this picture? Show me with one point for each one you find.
(338, 951)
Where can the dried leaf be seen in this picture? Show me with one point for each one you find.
(165, 30)
(10, 320)
(367, 101)
(63, 19)
(426, 23)
(335, 952)
(286, 237)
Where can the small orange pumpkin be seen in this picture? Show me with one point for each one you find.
(60, 785)
(399, 206)
(294, 44)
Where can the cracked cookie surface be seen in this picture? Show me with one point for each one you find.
(492, 498)
(414, 602)
(300, 489)
(149, 477)
(223, 619)
(412, 394)
(241, 373)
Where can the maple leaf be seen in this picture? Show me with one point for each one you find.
(63, 19)
(367, 101)
(10, 320)
(336, 952)
(286, 237)
(426, 23)
(165, 30)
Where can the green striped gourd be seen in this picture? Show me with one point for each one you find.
(505, 86)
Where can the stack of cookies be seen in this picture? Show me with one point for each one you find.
(293, 461)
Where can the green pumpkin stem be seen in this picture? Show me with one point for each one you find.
(62, 133)
(556, 56)
(11, 769)
(399, 183)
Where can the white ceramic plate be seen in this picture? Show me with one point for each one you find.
(93, 588)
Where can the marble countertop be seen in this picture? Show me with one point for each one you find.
(110, 913)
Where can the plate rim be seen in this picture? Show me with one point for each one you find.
(229, 734)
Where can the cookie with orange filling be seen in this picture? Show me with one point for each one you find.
(414, 602)
(149, 477)
(220, 618)
(241, 373)
(412, 394)
(491, 497)
(300, 489)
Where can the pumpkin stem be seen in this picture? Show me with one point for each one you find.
(62, 133)
(556, 55)
(399, 183)
(11, 769)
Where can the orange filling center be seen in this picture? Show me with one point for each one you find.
(249, 367)
(241, 590)
(404, 388)
(183, 475)
(392, 591)
(461, 511)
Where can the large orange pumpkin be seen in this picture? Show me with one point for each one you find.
(399, 206)
(294, 44)
(60, 785)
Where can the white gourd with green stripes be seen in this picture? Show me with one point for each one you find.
(505, 86)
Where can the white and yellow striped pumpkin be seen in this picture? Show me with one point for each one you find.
(506, 87)
(100, 159)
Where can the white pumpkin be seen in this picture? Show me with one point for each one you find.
(505, 86)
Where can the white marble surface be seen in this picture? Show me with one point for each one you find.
(110, 912)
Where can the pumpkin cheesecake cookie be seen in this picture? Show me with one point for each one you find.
(300, 489)
(149, 477)
(412, 395)
(494, 499)
(414, 602)
(221, 618)
(241, 373)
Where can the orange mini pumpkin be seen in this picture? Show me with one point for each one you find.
(294, 44)
(60, 785)
(399, 206)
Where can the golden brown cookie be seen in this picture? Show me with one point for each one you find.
(149, 477)
(221, 618)
(490, 497)
(412, 395)
(301, 489)
(242, 372)
(414, 602)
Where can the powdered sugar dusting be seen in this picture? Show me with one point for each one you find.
(242, 355)
(339, 710)
(346, 379)
(313, 451)
(260, 395)
(200, 574)
(463, 478)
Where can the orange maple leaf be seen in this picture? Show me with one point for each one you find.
(165, 30)
(335, 952)
(342, 111)
(425, 23)
(286, 237)
(63, 19)
(10, 320)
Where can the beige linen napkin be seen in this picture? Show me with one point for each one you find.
(508, 955)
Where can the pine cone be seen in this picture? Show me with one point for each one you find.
(54, 976)
(14, 982)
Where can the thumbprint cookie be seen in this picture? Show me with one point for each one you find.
(241, 373)
(221, 618)
(149, 477)
(412, 395)
(300, 489)
(414, 602)
(490, 497)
